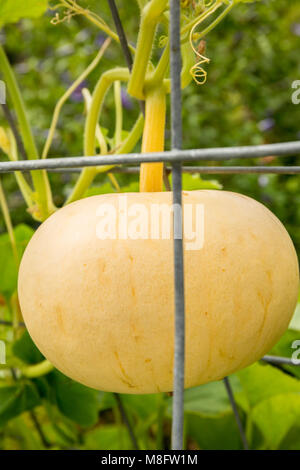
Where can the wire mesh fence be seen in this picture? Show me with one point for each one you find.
(174, 159)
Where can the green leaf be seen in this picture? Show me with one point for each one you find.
(276, 417)
(261, 382)
(75, 401)
(209, 417)
(8, 268)
(214, 433)
(191, 182)
(16, 399)
(110, 437)
(142, 406)
(107, 188)
(13, 11)
(211, 400)
(25, 349)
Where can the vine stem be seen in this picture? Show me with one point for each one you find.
(37, 370)
(205, 14)
(149, 19)
(40, 178)
(8, 224)
(101, 89)
(69, 92)
(88, 174)
(92, 17)
(100, 137)
(8, 145)
(151, 174)
(126, 421)
(39, 429)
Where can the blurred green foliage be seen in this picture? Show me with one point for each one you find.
(246, 100)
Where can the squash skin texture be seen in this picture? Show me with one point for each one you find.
(102, 310)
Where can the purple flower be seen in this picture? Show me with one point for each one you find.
(266, 124)
(126, 100)
(77, 94)
(296, 29)
(100, 40)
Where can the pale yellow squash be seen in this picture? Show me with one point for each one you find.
(102, 310)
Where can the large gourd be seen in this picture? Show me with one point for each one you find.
(102, 311)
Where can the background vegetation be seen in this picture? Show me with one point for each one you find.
(247, 100)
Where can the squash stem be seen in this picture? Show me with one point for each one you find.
(151, 174)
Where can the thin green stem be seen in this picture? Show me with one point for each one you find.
(19, 106)
(92, 17)
(149, 20)
(102, 87)
(187, 28)
(8, 224)
(216, 21)
(44, 202)
(15, 309)
(99, 134)
(162, 67)
(68, 93)
(37, 370)
(188, 60)
(88, 174)
(12, 153)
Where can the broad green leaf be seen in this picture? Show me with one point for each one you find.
(13, 11)
(75, 401)
(25, 349)
(109, 437)
(276, 416)
(209, 416)
(291, 440)
(194, 181)
(8, 268)
(141, 406)
(107, 188)
(211, 400)
(24, 435)
(261, 382)
(106, 400)
(16, 399)
(219, 433)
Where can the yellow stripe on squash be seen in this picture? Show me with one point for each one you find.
(102, 310)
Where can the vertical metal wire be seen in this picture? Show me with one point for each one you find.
(236, 413)
(176, 128)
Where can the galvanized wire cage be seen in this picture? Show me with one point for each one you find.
(175, 159)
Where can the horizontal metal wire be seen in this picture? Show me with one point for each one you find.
(209, 170)
(279, 360)
(212, 154)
